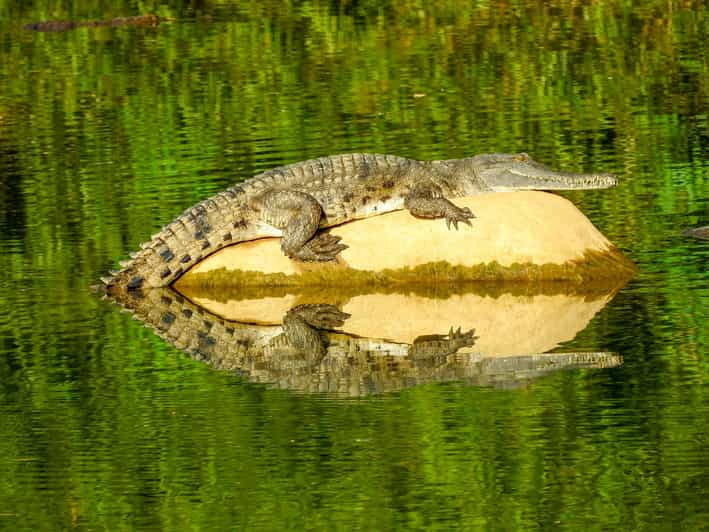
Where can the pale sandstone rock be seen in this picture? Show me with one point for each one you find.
(506, 325)
(532, 228)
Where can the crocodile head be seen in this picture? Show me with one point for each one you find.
(502, 172)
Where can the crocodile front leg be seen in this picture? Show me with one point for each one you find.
(431, 350)
(298, 214)
(427, 201)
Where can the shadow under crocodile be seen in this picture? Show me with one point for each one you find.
(359, 343)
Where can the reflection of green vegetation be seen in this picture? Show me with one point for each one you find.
(594, 269)
(224, 289)
(106, 134)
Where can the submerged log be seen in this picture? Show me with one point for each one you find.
(520, 236)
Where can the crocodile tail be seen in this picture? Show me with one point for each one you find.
(197, 233)
(205, 337)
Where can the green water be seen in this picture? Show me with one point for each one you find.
(108, 133)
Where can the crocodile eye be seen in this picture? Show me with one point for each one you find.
(522, 157)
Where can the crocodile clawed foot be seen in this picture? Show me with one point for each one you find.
(466, 339)
(456, 214)
(323, 247)
(321, 316)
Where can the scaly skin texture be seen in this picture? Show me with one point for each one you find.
(307, 353)
(298, 200)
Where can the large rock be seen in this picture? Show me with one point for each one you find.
(516, 236)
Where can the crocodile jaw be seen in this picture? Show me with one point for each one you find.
(512, 181)
(505, 173)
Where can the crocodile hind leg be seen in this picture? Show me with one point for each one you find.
(321, 316)
(298, 214)
(301, 345)
(427, 201)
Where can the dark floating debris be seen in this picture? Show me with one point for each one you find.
(58, 25)
(697, 232)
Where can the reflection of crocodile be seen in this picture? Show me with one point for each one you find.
(305, 353)
(59, 25)
(294, 201)
(698, 232)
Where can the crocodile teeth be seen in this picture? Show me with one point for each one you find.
(125, 263)
(114, 272)
(106, 279)
(133, 254)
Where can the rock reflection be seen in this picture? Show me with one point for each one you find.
(361, 343)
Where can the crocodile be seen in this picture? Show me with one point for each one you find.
(66, 25)
(697, 232)
(298, 202)
(308, 351)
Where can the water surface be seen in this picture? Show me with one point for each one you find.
(108, 133)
